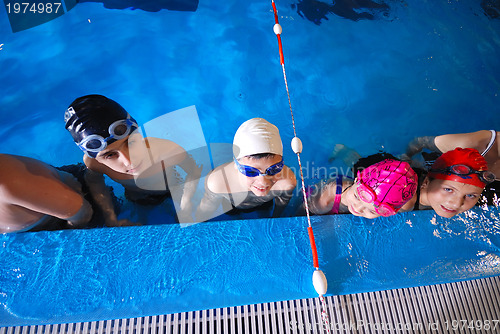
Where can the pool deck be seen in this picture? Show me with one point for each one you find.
(462, 307)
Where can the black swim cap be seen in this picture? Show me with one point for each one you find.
(93, 115)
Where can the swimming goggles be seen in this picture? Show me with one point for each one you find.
(253, 172)
(117, 130)
(462, 170)
(367, 195)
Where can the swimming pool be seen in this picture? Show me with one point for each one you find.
(418, 68)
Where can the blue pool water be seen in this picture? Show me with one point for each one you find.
(417, 68)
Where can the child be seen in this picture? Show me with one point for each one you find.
(106, 133)
(454, 183)
(485, 141)
(255, 178)
(379, 190)
(37, 196)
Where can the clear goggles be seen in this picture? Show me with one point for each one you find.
(367, 195)
(463, 170)
(253, 172)
(117, 130)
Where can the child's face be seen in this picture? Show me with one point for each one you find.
(449, 198)
(356, 206)
(262, 184)
(127, 155)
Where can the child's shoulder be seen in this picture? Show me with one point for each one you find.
(218, 179)
(329, 186)
(288, 180)
(164, 148)
(347, 182)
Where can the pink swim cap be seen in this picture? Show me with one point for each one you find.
(393, 182)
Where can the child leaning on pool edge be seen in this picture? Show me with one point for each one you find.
(485, 141)
(381, 189)
(105, 132)
(453, 184)
(256, 177)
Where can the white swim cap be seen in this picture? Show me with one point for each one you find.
(257, 136)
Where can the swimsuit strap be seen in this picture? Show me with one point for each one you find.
(492, 140)
(338, 195)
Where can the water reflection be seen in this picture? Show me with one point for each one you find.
(150, 5)
(355, 10)
(491, 8)
(478, 224)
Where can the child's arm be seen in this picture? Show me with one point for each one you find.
(322, 197)
(419, 143)
(208, 204)
(478, 140)
(193, 174)
(172, 154)
(34, 188)
(444, 143)
(102, 197)
(281, 202)
(215, 185)
(288, 184)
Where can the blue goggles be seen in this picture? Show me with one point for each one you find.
(253, 172)
(94, 144)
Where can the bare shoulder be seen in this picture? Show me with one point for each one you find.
(13, 166)
(218, 180)
(23, 177)
(7, 163)
(288, 180)
(330, 189)
(164, 149)
(346, 183)
(10, 174)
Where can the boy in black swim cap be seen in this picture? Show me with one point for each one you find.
(95, 121)
(107, 134)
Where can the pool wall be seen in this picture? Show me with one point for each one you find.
(85, 275)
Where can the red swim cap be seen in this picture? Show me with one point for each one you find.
(460, 156)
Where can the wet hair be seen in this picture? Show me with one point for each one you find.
(366, 162)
